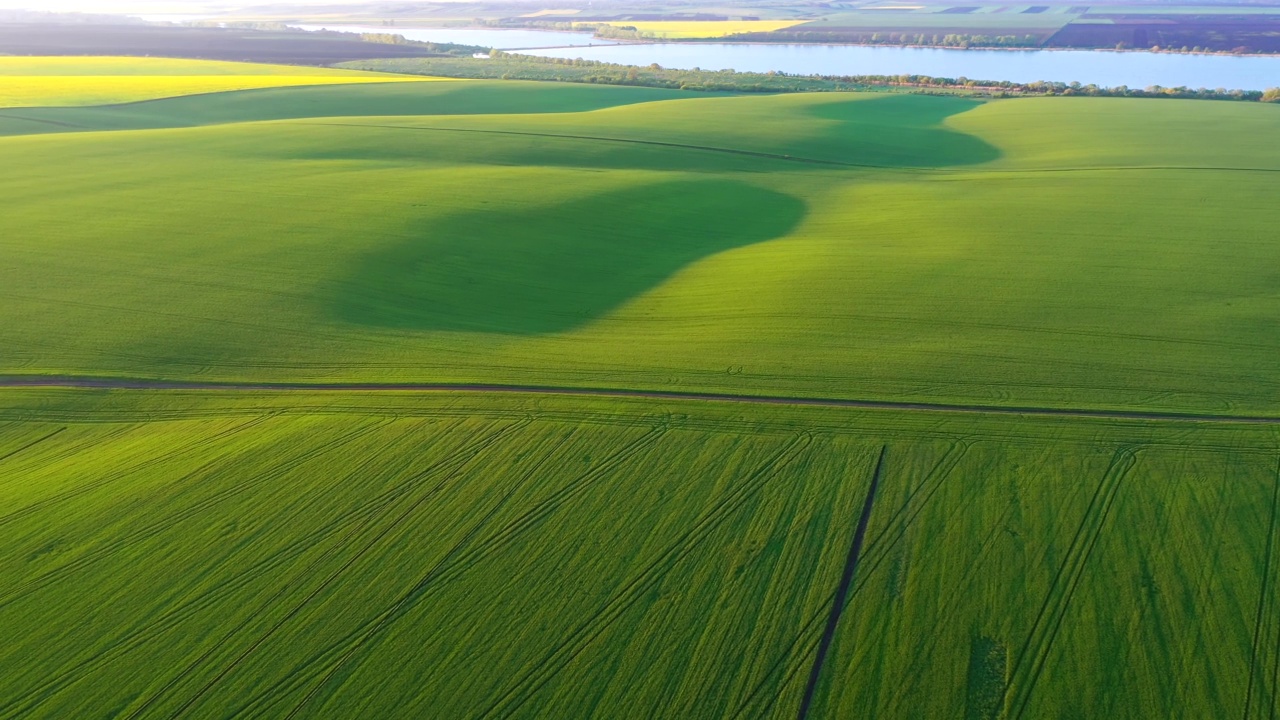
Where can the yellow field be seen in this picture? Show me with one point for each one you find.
(42, 81)
(707, 29)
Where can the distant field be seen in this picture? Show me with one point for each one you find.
(205, 43)
(1006, 367)
(952, 22)
(1252, 29)
(705, 29)
(759, 260)
(1109, 27)
(26, 81)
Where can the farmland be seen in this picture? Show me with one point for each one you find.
(675, 30)
(479, 556)
(106, 80)
(205, 43)
(502, 399)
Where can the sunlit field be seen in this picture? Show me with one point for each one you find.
(495, 399)
(60, 81)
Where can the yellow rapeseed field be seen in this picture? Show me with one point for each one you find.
(42, 81)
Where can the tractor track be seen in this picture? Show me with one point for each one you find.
(842, 592)
(106, 383)
(1263, 594)
(443, 471)
(922, 169)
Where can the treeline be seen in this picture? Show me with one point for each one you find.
(381, 38)
(509, 66)
(601, 30)
(65, 18)
(947, 40)
(440, 49)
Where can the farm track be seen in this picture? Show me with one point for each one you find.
(805, 160)
(460, 563)
(448, 468)
(117, 544)
(146, 633)
(353, 523)
(1035, 650)
(1263, 595)
(878, 551)
(842, 590)
(30, 445)
(125, 473)
(97, 383)
(592, 627)
(628, 141)
(390, 615)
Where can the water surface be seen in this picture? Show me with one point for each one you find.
(1108, 69)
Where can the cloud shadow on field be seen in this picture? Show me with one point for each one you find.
(547, 269)
(904, 130)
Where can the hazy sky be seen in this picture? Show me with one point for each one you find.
(108, 6)
(142, 6)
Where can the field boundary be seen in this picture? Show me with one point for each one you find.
(72, 382)
(1264, 592)
(632, 141)
(842, 591)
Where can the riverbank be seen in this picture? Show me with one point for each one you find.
(511, 66)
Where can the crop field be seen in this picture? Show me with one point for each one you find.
(41, 81)
(488, 399)
(972, 22)
(205, 43)
(674, 30)
(1245, 32)
(1219, 28)
(270, 554)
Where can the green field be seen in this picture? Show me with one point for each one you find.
(1063, 310)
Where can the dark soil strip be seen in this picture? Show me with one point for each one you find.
(1048, 622)
(40, 121)
(30, 445)
(629, 141)
(810, 161)
(842, 591)
(101, 383)
(1262, 596)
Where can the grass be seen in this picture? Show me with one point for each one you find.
(903, 260)
(380, 99)
(267, 553)
(475, 554)
(62, 81)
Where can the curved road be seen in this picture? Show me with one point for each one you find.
(105, 383)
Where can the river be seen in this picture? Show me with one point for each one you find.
(1104, 68)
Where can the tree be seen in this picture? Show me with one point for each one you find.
(1271, 95)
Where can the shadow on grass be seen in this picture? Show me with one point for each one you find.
(904, 130)
(326, 101)
(555, 268)
(883, 131)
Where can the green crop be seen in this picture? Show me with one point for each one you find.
(1042, 330)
